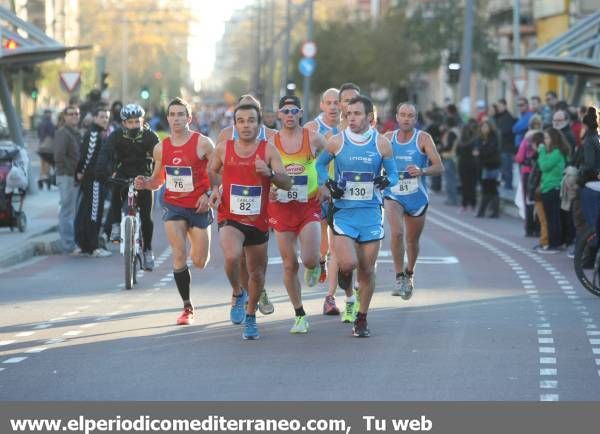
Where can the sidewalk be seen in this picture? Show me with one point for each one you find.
(41, 210)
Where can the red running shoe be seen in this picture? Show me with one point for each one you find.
(329, 307)
(186, 317)
(323, 276)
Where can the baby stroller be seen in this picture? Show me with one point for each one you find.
(13, 183)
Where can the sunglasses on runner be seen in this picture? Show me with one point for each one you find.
(286, 111)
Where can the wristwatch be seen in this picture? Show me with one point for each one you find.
(424, 171)
(272, 175)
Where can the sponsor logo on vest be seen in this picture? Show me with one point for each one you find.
(363, 159)
(294, 169)
(177, 160)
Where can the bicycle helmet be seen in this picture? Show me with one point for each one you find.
(132, 111)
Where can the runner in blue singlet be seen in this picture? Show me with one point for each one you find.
(406, 202)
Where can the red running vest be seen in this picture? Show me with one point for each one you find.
(245, 192)
(186, 177)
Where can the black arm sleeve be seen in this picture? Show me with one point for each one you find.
(83, 152)
(106, 156)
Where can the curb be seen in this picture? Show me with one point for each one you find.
(43, 243)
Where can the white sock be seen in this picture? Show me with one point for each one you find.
(351, 299)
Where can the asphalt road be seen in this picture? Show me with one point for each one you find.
(489, 320)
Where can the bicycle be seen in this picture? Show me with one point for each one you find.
(131, 245)
(587, 261)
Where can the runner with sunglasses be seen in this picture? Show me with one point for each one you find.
(295, 214)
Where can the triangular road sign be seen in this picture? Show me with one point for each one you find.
(70, 80)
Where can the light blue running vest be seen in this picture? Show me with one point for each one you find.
(355, 168)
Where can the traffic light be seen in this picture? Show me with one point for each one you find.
(453, 67)
(11, 44)
(145, 93)
(34, 94)
(103, 82)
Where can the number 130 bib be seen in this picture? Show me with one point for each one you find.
(359, 185)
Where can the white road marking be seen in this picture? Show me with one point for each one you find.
(547, 350)
(87, 326)
(15, 360)
(593, 333)
(75, 312)
(37, 350)
(549, 397)
(548, 384)
(24, 334)
(2, 343)
(545, 340)
(594, 341)
(548, 371)
(548, 360)
(544, 332)
(42, 326)
(72, 333)
(54, 341)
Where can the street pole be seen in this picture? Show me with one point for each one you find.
(124, 56)
(14, 126)
(309, 37)
(257, 86)
(271, 72)
(516, 40)
(286, 47)
(467, 59)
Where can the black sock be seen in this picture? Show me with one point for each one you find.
(183, 279)
(361, 316)
(399, 275)
(409, 273)
(300, 311)
(344, 280)
(322, 261)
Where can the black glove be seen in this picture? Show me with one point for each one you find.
(334, 189)
(381, 182)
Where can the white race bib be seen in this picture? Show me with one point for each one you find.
(593, 185)
(298, 192)
(359, 185)
(179, 179)
(245, 200)
(405, 186)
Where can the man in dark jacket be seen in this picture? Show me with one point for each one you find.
(67, 142)
(91, 206)
(504, 122)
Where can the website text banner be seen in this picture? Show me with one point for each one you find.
(300, 417)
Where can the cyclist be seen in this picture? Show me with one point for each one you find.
(127, 154)
(181, 160)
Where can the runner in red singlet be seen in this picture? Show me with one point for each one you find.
(241, 172)
(181, 164)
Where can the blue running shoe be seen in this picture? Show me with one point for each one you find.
(238, 310)
(250, 328)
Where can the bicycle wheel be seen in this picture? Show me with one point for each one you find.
(587, 261)
(128, 252)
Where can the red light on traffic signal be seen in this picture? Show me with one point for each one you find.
(158, 75)
(10, 44)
